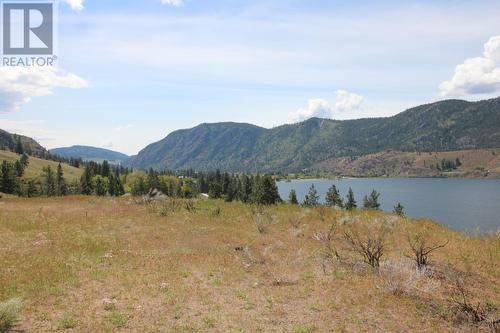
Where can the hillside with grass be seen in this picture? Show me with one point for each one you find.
(87, 264)
(9, 141)
(443, 126)
(35, 167)
(477, 163)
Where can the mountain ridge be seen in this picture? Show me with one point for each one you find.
(89, 153)
(439, 126)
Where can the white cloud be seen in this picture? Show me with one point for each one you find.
(480, 75)
(345, 102)
(18, 85)
(175, 3)
(75, 4)
(316, 107)
(108, 144)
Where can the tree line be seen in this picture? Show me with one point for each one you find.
(333, 199)
(104, 179)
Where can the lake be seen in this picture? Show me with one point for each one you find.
(469, 205)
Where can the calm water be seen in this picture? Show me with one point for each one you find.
(469, 205)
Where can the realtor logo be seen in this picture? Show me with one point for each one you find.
(27, 29)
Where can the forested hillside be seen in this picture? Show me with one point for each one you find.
(441, 126)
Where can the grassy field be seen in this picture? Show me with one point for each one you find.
(36, 166)
(86, 264)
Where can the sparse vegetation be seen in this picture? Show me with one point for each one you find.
(217, 272)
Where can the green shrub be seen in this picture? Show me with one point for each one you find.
(9, 312)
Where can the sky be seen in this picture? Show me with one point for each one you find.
(129, 72)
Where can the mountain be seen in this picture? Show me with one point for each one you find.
(90, 154)
(8, 141)
(442, 126)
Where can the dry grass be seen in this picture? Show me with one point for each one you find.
(85, 264)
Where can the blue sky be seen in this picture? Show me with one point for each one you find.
(132, 71)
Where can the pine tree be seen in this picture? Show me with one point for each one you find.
(100, 185)
(292, 197)
(24, 160)
(86, 181)
(371, 201)
(152, 181)
(265, 191)
(333, 197)
(49, 182)
(19, 146)
(8, 180)
(246, 189)
(312, 198)
(351, 202)
(399, 210)
(62, 189)
(105, 170)
(270, 190)
(18, 166)
(31, 189)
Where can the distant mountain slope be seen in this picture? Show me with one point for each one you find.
(8, 141)
(89, 153)
(441, 126)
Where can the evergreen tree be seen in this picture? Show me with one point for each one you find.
(399, 210)
(351, 202)
(231, 191)
(265, 191)
(119, 189)
(105, 170)
(246, 189)
(61, 187)
(312, 198)
(152, 181)
(333, 197)
(18, 166)
(100, 185)
(24, 160)
(19, 146)
(31, 189)
(50, 188)
(371, 201)
(86, 181)
(270, 190)
(139, 187)
(215, 185)
(8, 181)
(292, 197)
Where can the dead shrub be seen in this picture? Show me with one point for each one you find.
(370, 244)
(295, 221)
(421, 248)
(329, 253)
(463, 307)
(262, 218)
